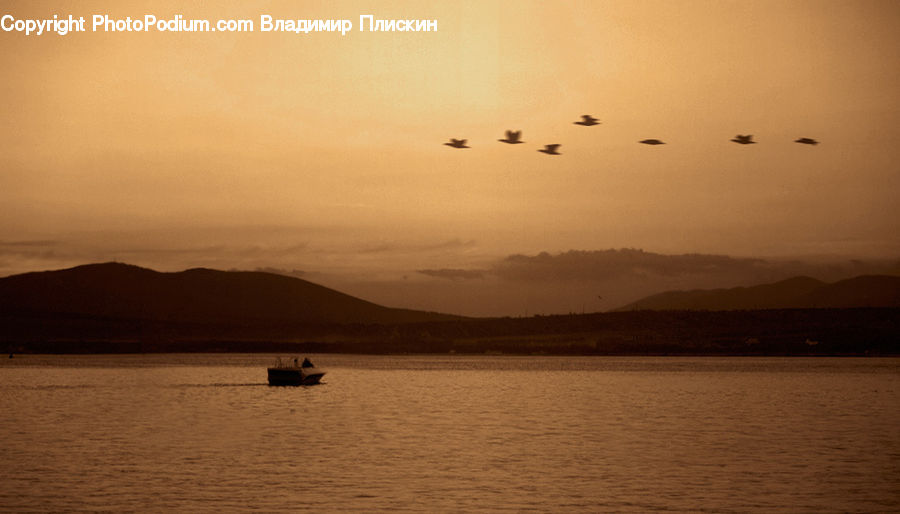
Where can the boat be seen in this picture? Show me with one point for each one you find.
(293, 372)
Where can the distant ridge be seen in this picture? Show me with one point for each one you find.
(118, 308)
(121, 291)
(793, 293)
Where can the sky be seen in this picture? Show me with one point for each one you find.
(322, 155)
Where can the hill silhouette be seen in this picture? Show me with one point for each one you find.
(121, 291)
(118, 308)
(793, 293)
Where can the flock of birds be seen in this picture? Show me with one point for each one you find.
(514, 137)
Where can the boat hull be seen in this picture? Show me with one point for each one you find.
(294, 376)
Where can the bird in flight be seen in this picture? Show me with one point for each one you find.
(512, 137)
(587, 120)
(806, 141)
(550, 149)
(651, 142)
(744, 140)
(457, 143)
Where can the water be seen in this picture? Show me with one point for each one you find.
(193, 433)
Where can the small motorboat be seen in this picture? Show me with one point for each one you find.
(293, 372)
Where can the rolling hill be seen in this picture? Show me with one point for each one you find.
(793, 293)
(204, 296)
(119, 308)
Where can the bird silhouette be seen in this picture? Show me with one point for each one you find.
(512, 137)
(587, 120)
(744, 140)
(806, 141)
(550, 149)
(651, 142)
(457, 143)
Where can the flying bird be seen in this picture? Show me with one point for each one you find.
(457, 143)
(806, 141)
(744, 140)
(587, 120)
(512, 137)
(550, 149)
(651, 142)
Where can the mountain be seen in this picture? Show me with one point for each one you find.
(793, 293)
(204, 296)
(118, 308)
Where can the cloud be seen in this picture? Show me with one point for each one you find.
(296, 273)
(28, 244)
(453, 274)
(415, 248)
(634, 266)
(626, 262)
(31, 251)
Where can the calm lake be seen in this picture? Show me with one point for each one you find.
(188, 433)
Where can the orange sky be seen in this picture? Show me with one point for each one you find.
(324, 153)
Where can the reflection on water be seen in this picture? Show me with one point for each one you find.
(457, 433)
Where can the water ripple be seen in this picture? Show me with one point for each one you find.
(469, 434)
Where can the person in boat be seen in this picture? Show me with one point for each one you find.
(307, 363)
